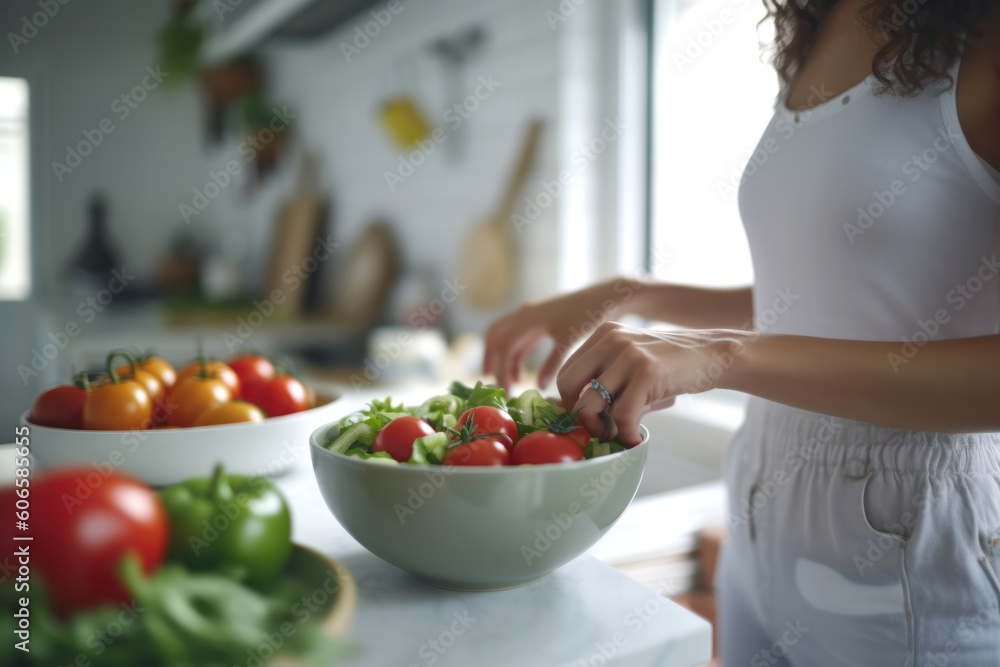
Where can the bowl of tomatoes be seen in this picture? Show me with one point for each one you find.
(471, 490)
(163, 424)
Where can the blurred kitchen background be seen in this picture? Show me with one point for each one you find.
(363, 186)
(173, 169)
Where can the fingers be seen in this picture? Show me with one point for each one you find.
(588, 362)
(591, 406)
(507, 355)
(628, 409)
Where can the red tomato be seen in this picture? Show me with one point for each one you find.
(489, 419)
(580, 435)
(397, 437)
(212, 369)
(59, 407)
(84, 521)
(479, 452)
(546, 447)
(254, 371)
(282, 396)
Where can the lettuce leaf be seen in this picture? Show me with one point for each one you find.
(359, 434)
(438, 409)
(377, 457)
(430, 448)
(481, 394)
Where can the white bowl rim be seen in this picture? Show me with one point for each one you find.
(187, 429)
(475, 470)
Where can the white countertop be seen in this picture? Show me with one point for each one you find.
(583, 614)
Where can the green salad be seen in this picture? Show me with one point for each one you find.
(470, 426)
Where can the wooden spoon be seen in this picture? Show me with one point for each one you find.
(487, 263)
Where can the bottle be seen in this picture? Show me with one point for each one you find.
(92, 266)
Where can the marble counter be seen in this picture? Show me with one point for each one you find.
(586, 614)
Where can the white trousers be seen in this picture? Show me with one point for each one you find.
(853, 544)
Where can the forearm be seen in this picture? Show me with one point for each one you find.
(690, 307)
(950, 386)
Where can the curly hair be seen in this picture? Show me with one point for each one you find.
(928, 35)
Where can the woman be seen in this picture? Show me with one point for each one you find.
(865, 482)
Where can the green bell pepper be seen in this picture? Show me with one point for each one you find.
(231, 523)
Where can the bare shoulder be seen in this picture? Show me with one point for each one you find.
(987, 42)
(978, 93)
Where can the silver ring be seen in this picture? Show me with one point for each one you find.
(599, 388)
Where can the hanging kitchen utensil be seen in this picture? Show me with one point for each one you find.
(487, 262)
(455, 52)
(294, 243)
(400, 113)
(366, 277)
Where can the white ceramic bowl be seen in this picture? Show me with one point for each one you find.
(161, 457)
(476, 528)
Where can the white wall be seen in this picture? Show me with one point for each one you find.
(433, 209)
(92, 51)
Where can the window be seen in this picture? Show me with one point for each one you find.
(712, 98)
(15, 261)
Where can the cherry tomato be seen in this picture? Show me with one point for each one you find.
(156, 367)
(118, 404)
(397, 437)
(580, 435)
(545, 447)
(230, 412)
(192, 396)
(59, 407)
(479, 452)
(282, 396)
(489, 419)
(213, 369)
(84, 521)
(157, 392)
(254, 371)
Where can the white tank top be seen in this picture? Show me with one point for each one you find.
(871, 218)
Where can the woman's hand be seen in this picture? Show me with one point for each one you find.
(643, 370)
(565, 319)
(570, 318)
